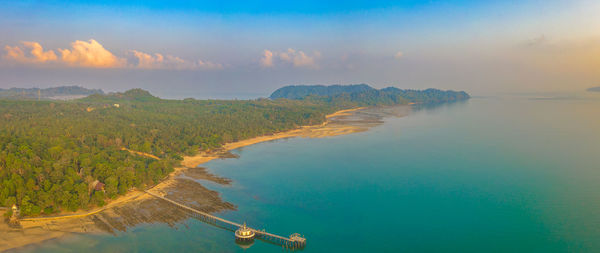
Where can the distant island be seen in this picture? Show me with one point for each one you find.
(54, 93)
(60, 156)
(594, 89)
(366, 95)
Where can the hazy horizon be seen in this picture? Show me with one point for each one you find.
(207, 49)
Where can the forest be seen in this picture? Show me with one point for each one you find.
(363, 94)
(53, 152)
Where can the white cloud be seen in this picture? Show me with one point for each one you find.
(208, 65)
(158, 61)
(291, 56)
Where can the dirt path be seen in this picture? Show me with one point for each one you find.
(140, 153)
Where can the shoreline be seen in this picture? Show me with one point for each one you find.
(311, 131)
(303, 131)
(43, 229)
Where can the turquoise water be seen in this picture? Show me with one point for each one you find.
(487, 175)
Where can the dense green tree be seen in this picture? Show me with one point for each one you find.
(52, 152)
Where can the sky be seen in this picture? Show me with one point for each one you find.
(247, 49)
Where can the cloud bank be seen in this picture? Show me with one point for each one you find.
(158, 61)
(91, 54)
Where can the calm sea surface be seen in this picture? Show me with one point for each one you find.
(487, 175)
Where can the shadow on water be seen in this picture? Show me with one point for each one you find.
(244, 244)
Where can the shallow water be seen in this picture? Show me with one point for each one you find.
(487, 175)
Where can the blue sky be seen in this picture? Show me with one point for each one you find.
(214, 49)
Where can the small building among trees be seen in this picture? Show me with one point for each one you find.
(97, 186)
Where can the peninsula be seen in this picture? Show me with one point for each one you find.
(83, 156)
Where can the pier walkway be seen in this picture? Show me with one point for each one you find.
(295, 241)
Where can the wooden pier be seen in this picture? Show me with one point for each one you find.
(295, 241)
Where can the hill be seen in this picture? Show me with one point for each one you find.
(302, 91)
(363, 94)
(133, 95)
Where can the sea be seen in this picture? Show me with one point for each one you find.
(510, 173)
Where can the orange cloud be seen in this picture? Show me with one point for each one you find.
(36, 53)
(90, 54)
(14, 53)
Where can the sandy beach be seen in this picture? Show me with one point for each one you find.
(181, 185)
(328, 128)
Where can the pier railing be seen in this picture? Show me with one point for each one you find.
(295, 241)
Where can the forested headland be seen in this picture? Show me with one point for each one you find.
(52, 153)
(365, 95)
